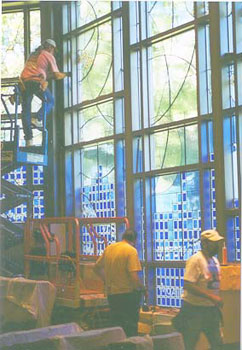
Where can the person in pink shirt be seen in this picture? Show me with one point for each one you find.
(40, 66)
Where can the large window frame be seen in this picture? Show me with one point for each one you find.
(139, 137)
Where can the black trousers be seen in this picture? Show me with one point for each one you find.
(197, 319)
(124, 311)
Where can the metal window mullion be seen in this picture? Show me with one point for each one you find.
(26, 33)
(200, 120)
(72, 126)
(128, 114)
(217, 112)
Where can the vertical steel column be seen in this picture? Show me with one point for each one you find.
(128, 116)
(51, 172)
(217, 115)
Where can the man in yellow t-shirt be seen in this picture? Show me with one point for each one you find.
(118, 267)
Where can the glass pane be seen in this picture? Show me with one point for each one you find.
(17, 214)
(205, 83)
(233, 238)
(207, 150)
(137, 155)
(35, 37)
(226, 27)
(118, 57)
(169, 286)
(94, 60)
(12, 44)
(176, 216)
(17, 176)
(231, 162)
(116, 5)
(209, 199)
(238, 16)
(136, 90)
(38, 175)
(120, 181)
(228, 87)
(139, 217)
(164, 15)
(38, 205)
(97, 177)
(88, 11)
(174, 147)
(134, 21)
(119, 115)
(173, 76)
(107, 232)
(202, 8)
(96, 122)
(68, 129)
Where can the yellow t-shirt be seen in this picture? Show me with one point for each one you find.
(118, 260)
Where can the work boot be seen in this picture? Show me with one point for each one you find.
(36, 122)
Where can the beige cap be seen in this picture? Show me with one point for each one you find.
(211, 235)
(50, 42)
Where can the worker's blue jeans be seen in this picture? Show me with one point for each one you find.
(33, 88)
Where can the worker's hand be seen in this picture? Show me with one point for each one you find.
(58, 75)
(217, 300)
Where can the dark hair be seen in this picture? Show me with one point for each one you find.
(130, 235)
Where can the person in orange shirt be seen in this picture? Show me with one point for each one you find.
(118, 267)
(40, 66)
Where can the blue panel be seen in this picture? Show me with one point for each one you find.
(69, 184)
(137, 155)
(171, 206)
(170, 287)
(120, 178)
(139, 215)
(204, 143)
(233, 239)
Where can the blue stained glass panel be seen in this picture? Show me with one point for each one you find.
(38, 175)
(177, 198)
(17, 176)
(207, 150)
(38, 205)
(169, 289)
(209, 199)
(233, 239)
(231, 162)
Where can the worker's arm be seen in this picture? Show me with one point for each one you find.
(137, 283)
(194, 289)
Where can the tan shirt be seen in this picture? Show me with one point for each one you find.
(204, 274)
(118, 260)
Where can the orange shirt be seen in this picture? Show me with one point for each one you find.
(38, 66)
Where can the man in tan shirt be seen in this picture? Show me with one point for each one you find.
(202, 302)
(118, 267)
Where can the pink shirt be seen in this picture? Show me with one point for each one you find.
(38, 66)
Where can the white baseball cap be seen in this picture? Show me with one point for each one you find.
(50, 42)
(211, 235)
